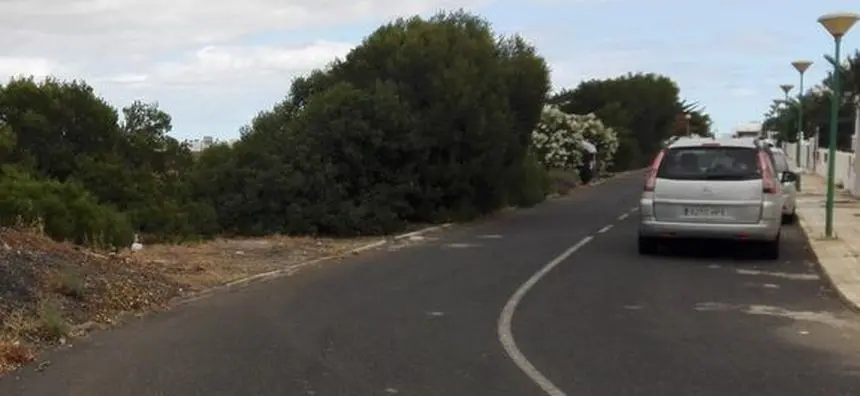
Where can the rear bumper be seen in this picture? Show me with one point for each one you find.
(764, 230)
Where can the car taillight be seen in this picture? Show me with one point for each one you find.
(651, 181)
(769, 185)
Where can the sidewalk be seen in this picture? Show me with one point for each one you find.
(838, 257)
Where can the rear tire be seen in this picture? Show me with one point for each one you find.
(648, 245)
(770, 249)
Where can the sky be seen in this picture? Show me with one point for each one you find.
(214, 64)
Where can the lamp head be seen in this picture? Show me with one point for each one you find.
(786, 88)
(801, 65)
(839, 23)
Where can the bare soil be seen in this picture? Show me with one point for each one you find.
(51, 291)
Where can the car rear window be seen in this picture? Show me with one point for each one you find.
(710, 163)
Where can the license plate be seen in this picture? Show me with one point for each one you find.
(704, 212)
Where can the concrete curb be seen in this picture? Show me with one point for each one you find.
(421, 231)
(281, 272)
(850, 300)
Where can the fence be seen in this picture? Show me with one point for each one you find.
(815, 159)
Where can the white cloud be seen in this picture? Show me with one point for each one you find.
(37, 67)
(576, 67)
(190, 54)
(123, 26)
(232, 64)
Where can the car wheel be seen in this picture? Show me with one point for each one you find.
(789, 218)
(770, 249)
(648, 245)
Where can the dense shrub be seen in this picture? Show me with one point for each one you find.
(425, 121)
(62, 131)
(531, 184)
(63, 210)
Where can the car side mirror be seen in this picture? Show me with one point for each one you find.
(788, 177)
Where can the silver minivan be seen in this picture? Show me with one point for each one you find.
(790, 179)
(712, 189)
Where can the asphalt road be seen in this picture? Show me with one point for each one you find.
(424, 320)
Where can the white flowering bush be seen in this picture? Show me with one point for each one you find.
(559, 136)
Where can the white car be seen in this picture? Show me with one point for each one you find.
(713, 189)
(789, 179)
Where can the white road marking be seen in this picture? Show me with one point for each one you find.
(634, 210)
(460, 245)
(604, 229)
(623, 216)
(784, 275)
(506, 336)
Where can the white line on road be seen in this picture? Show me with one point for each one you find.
(506, 336)
(604, 229)
(623, 216)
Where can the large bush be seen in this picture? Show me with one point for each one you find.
(425, 121)
(64, 211)
(62, 131)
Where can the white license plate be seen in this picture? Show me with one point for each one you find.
(704, 212)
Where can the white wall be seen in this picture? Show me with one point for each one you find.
(844, 174)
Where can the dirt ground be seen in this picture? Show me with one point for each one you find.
(51, 292)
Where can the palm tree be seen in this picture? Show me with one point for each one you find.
(850, 76)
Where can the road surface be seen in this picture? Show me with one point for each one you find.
(427, 320)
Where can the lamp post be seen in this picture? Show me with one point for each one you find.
(801, 66)
(786, 88)
(837, 25)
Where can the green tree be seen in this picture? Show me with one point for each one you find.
(783, 117)
(55, 122)
(641, 108)
(62, 131)
(700, 122)
(427, 120)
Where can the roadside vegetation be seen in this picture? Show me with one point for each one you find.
(426, 121)
(783, 117)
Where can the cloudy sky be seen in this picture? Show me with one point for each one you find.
(213, 64)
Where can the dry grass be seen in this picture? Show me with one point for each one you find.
(51, 291)
(204, 265)
(13, 354)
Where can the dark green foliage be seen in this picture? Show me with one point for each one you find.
(63, 210)
(644, 109)
(531, 183)
(425, 121)
(783, 117)
(69, 141)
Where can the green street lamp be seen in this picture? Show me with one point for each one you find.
(801, 66)
(786, 88)
(837, 25)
